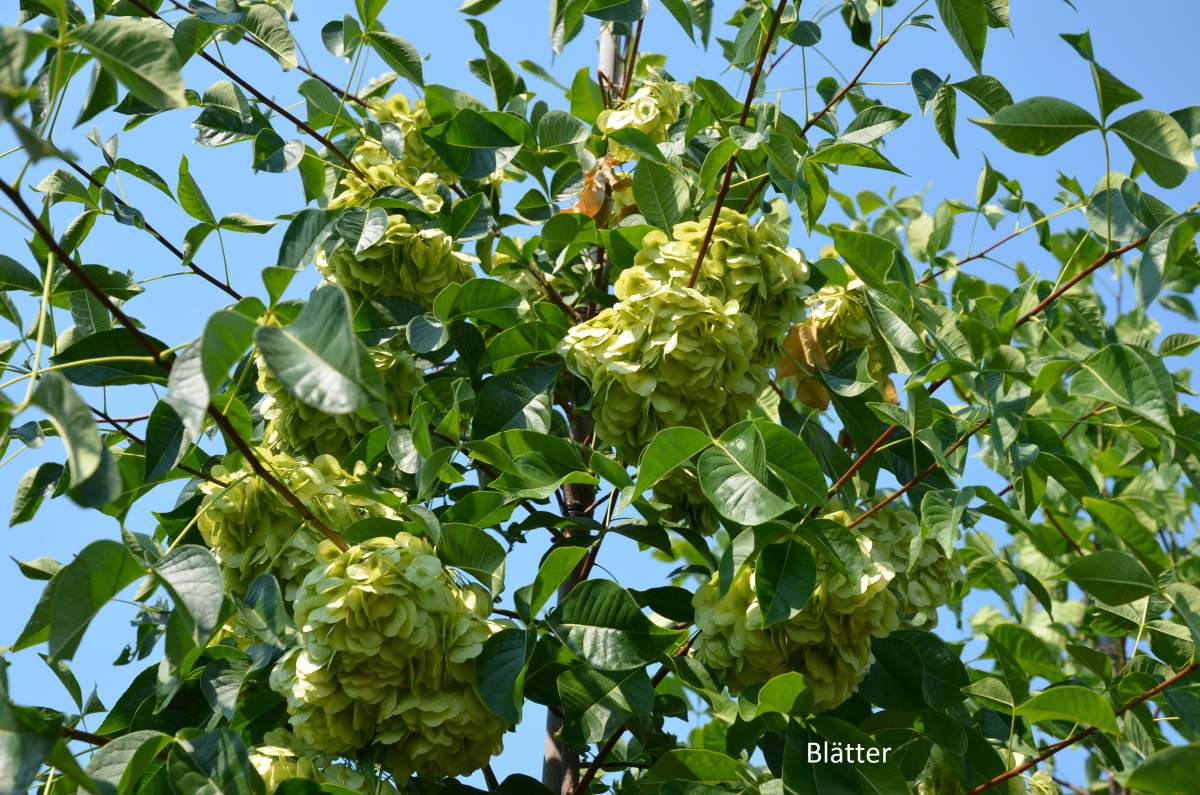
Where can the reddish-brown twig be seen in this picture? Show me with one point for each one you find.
(1028, 316)
(263, 98)
(631, 61)
(115, 423)
(1054, 748)
(250, 37)
(611, 743)
(731, 165)
(150, 346)
(167, 244)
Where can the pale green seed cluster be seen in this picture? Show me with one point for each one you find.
(668, 354)
(664, 355)
(251, 529)
(746, 262)
(681, 491)
(282, 756)
(304, 430)
(388, 643)
(406, 262)
(828, 640)
(411, 117)
(381, 170)
(652, 109)
(926, 574)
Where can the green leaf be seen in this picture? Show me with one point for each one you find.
(397, 53)
(553, 572)
(660, 193)
(500, 673)
(33, 487)
(274, 155)
(114, 342)
(1166, 246)
(192, 575)
(317, 358)
(191, 199)
(669, 448)
(560, 129)
(98, 573)
(873, 123)
(1169, 771)
(1071, 703)
(1039, 125)
(475, 552)
(212, 762)
(1122, 375)
(600, 621)
(945, 106)
(851, 154)
(123, 761)
(598, 703)
(515, 399)
(784, 580)
(269, 27)
(967, 22)
(167, 441)
(695, 765)
(474, 144)
(987, 91)
(139, 55)
(1158, 144)
(735, 478)
(14, 276)
(1111, 576)
(73, 420)
(788, 694)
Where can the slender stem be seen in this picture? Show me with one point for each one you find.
(1016, 233)
(157, 355)
(611, 743)
(924, 473)
(729, 166)
(554, 294)
(632, 60)
(263, 98)
(1028, 316)
(808, 125)
(250, 37)
(115, 423)
(1053, 749)
(167, 244)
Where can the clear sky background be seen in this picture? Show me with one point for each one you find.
(1149, 45)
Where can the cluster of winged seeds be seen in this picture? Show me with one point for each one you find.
(668, 354)
(829, 639)
(652, 109)
(384, 667)
(296, 426)
(387, 652)
(252, 530)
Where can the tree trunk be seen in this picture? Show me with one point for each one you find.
(560, 761)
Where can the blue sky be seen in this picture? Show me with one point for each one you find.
(1152, 49)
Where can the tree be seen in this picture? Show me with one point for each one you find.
(555, 321)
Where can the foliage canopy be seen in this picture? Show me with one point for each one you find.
(554, 318)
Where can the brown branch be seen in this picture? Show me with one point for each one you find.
(167, 244)
(263, 98)
(1077, 278)
(1028, 316)
(632, 59)
(729, 167)
(489, 776)
(131, 436)
(924, 473)
(250, 37)
(1054, 748)
(157, 353)
(808, 125)
(611, 743)
(86, 737)
(553, 293)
